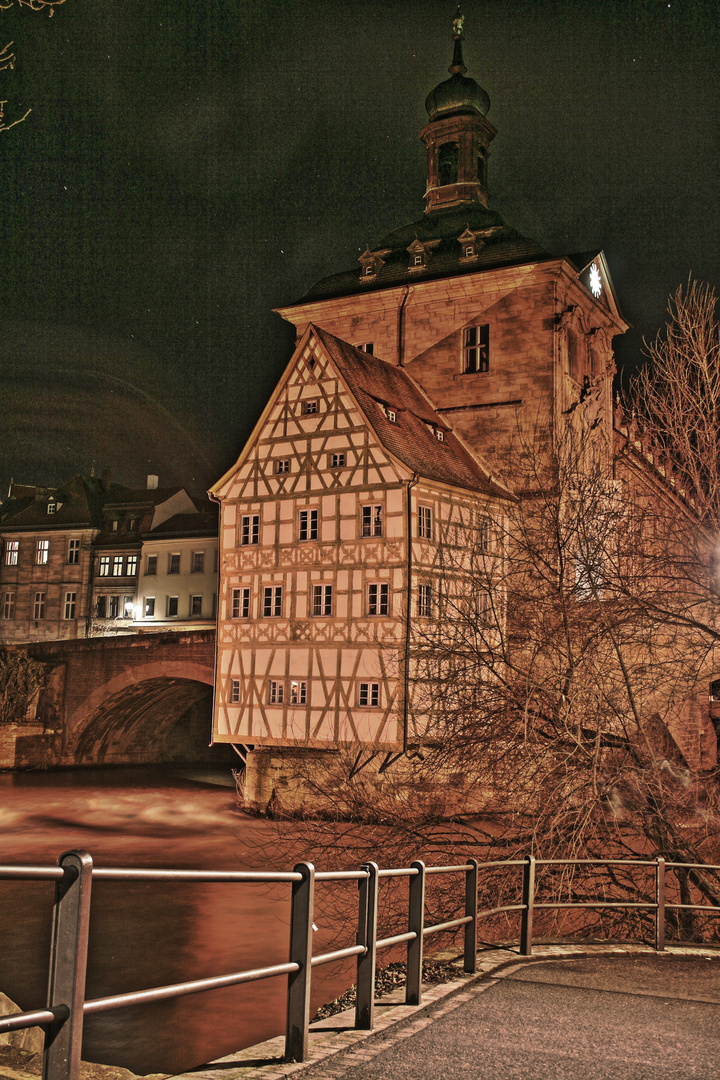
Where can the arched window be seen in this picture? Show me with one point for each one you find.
(448, 164)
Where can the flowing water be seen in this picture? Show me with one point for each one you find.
(151, 934)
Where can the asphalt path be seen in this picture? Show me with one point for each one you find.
(600, 1018)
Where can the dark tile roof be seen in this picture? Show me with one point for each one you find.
(375, 383)
(79, 506)
(186, 525)
(500, 246)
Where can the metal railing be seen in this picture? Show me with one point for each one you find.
(74, 874)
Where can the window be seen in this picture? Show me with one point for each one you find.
(272, 601)
(117, 565)
(104, 570)
(196, 607)
(484, 533)
(69, 609)
(241, 603)
(115, 525)
(73, 551)
(425, 601)
(307, 524)
(377, 598)
(51, 507)
(151, 565)
(171, 607)
(128, 607)
(234, 691)
(39, 606)
(309, 408)
(149, 607)
(132, 565)
(250, 529)
(198, 562)
(276, 692)
(469, 251)
(12, 550)
(9, 605)
(132, 524)
(174, 563)
(425, 523)
(337, 461)
(114, 606)
(447, 165)
(369, 695)
(572, 353)
(439, 434)
(369, 270)
(391, 415)
(371, 521)
(42, 548)
(417, 260)
(101, 607)
(283, 465)
(367, 346)
(298, 693)
(476, 348)
(322, 599)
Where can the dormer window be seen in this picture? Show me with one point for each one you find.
(439, 435)
(469, 251)
(368, 270)
(391, 415)
(372, 263)
(417, 260)
(51, 507)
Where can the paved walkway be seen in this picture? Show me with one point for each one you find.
(564, 1014)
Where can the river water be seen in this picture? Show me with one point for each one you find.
(151, 934)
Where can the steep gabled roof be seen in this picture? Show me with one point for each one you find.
(78, 506)
(412, 439)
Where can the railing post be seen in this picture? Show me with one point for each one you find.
(471, 886)
(659, 904)
(298, 994)
(68, 965)
(367, 936)
(416, 922)
(528, 902)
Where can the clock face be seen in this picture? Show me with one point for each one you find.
(595, 280)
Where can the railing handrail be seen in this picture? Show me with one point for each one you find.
(75, 872)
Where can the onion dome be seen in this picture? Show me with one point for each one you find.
(457, 94)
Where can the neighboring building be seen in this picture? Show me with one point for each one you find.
(47, 536)
(75, 560)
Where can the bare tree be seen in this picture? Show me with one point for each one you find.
(7, 56)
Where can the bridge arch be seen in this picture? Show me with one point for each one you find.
(150, 713)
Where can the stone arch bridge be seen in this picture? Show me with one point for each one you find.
(132, 699)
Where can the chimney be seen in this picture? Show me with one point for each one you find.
(152, 482)
(105, 480)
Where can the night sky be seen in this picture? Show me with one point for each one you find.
(190, 164)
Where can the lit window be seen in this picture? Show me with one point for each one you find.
(51, 507)
(151, 565)
(117, 566)
(283, 465)
(132, 524)
(272, 601)
(128, 607)
(73, 551)
(149, 606)
(307, 524)
(417, 260)
(132, 565)
(104, 570)
(391, 415)
(9, 605)
(241, 603)
(337, 461)
(298, 693)
(69, 609)
(469, 251)
(369, 695)
(425, 601)
(309, 408)
(250, 529)
(276, 692)
(439, 434)
(196, 607)
(39, 606)
(476, 348)
(172, 607)
(12, 550)
(174, 563)
(101, 607)
(322, 599)
(377, 598)
(371, 520)
(369, 270)
(234, 691)
(425, 522)
(42, 548)
(198, 562)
